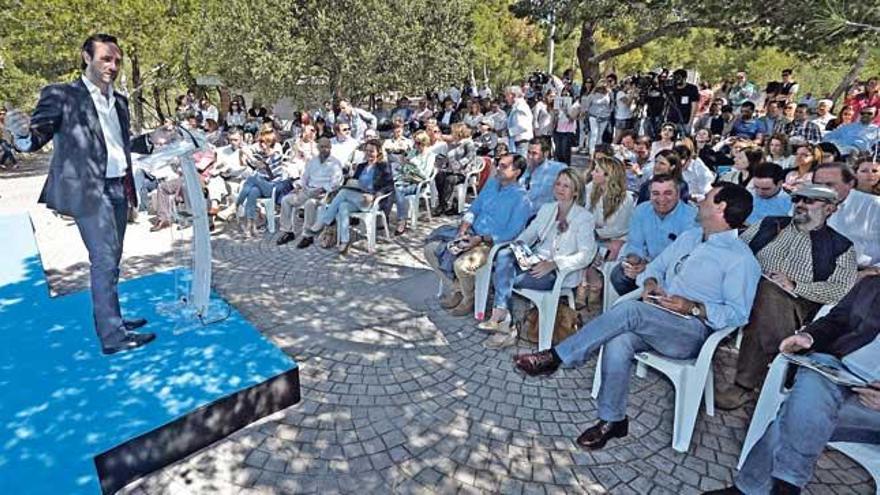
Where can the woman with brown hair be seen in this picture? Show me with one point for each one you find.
(612, 206)
(806, 158)
(745, 159)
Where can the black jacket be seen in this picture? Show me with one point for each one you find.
(383, 182)
(852, 324)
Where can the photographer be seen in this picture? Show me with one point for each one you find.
(653, 98)
(681, 106)
(598, 107)
(624, 98)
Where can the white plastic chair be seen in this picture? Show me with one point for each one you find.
(609, 294)
(368, 220)
(268, 205)
(547, 303)
(471, 181)
(423, 192)
(483, 278)
(692, 378)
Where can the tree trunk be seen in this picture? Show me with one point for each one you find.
(586, 51)
(157, 102)
(138, 90)
(853, 73)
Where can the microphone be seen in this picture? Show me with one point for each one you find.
(672, 236)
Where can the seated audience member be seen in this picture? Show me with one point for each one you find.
(398, 146)
(499, 214)
(806, 264)
(694, 173)
(302, 150)
(802, 127)
(768, 197)
(322, 176)
(540, 176)
(666, 162)
(857, 216)
(612, 207)
(818, 411)
(860, 136)
(779, 152)
(371, 178)
(228, 168)
(461, 158)
(474, 116)
(707, 273)
(845, 116)
(745, 159)
(343, 146)
(562, 235)
(236, 117)
(868, 176)
(705, 150)
(806, 158)
(666, 141)
(655, 224)
(746, 125)
(267, 160)
(823, 114)
(487, 139)
(417, 168)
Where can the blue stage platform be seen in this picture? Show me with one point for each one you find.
(75, 421)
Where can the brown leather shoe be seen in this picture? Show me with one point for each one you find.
(598, 435)
(464, 308)
(163, 224)
(538, 363)
(451, 300)
(733, 397)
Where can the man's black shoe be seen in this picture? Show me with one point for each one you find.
(730, 490)
(285, 238)
(305, 242)
(538, 363)
(598, 435)
(131, 340)
(134, 324)
(784, 488)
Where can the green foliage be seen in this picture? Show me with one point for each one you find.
(507, 46)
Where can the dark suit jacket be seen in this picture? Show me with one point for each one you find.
(67, 116)
(383, 182)
(853, 323)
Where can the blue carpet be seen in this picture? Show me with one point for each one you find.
(62, 402)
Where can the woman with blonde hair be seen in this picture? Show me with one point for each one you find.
(417, 168)
(612, 207)
(561, 235)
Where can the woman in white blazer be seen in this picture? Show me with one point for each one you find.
(562, 234)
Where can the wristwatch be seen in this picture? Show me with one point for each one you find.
(695, 310)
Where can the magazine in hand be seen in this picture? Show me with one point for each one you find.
(354, 185)
(767, 277)
(525, 258)
(837, 374)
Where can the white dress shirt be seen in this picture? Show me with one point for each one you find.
(110, 128)
(858, 218)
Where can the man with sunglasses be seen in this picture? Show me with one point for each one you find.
(861, 136)
(806, 264)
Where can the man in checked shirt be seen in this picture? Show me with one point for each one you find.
(806, 264)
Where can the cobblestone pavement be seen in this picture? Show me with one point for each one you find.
(399, 397)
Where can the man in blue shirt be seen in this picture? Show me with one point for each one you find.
(746, 125)
(540, 175)
(703, 282)
(499, 214)
(654, 225)
(857, 136)
(768, 198)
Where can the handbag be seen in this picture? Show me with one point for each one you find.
(565, 325)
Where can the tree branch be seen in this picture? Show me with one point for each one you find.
(644, 39)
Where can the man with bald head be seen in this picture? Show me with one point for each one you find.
(322, 175)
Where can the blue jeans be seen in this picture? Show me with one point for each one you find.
(622, 284)
(508, 275)
(816, 412)
(401, 192)
(624, 330)
(254, 188)
(343, 205)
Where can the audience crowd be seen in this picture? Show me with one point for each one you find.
(732, 207)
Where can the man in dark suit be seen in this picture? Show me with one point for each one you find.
(817, 410)
(90, 175)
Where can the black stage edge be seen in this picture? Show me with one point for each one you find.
(153, 450)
